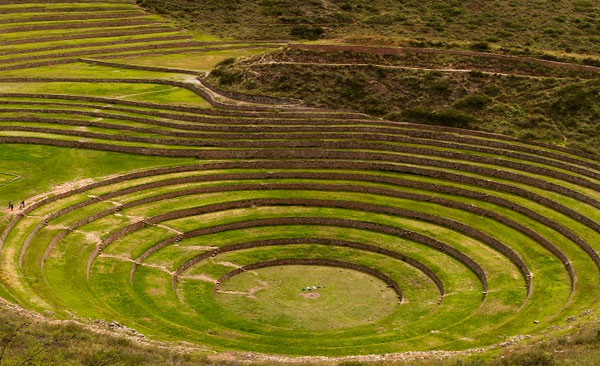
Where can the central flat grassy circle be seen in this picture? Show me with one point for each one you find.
(274, 296)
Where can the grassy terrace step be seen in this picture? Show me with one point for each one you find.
(33, 9)
(126, 52)
(39, 37)
(101, 50)
(433, 128)
(523, 179)
(22, 26)
(94, 43)
(415, 133)
(22, 18)
(93, 83)
(590, 201)
(16, 97)
(275, 143)
(76, 25)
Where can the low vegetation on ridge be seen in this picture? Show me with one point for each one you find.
(558, 25)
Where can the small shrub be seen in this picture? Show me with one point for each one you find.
(586, 338)
(342, 17)
(118, 341)
(353, 88)
(385, 19)
(441, 86)
(346, 7)
(226, 62)
(434, 74)
(476, 101)
(375, 106)
(446, 117)
(307, 32)
(480, 46)
(572, 100)
(477, 74)
(533, 358)
(492, 89)
(591, 61)
(229, 78)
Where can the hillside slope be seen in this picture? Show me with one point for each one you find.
(523, 99)
(559, 25)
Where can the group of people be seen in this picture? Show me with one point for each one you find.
(11, 206)
(312, 288)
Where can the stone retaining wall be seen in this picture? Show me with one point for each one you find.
(370, 190)
(368, 133)
(306, 143)
(411, 125)
(539, 217)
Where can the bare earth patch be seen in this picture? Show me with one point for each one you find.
(311, 295)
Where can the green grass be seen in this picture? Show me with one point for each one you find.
(131, 280)
(167, 259)
(148, 295)
(205, 61)
(154, 93)
(274, 296)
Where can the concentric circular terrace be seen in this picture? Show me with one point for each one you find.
(297, 231)
(459, 238)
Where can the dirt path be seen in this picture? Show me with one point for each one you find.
(173, 230)
(147, 93)
(200, 277)
(396, 67)
(250, 293)
(15, 178)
